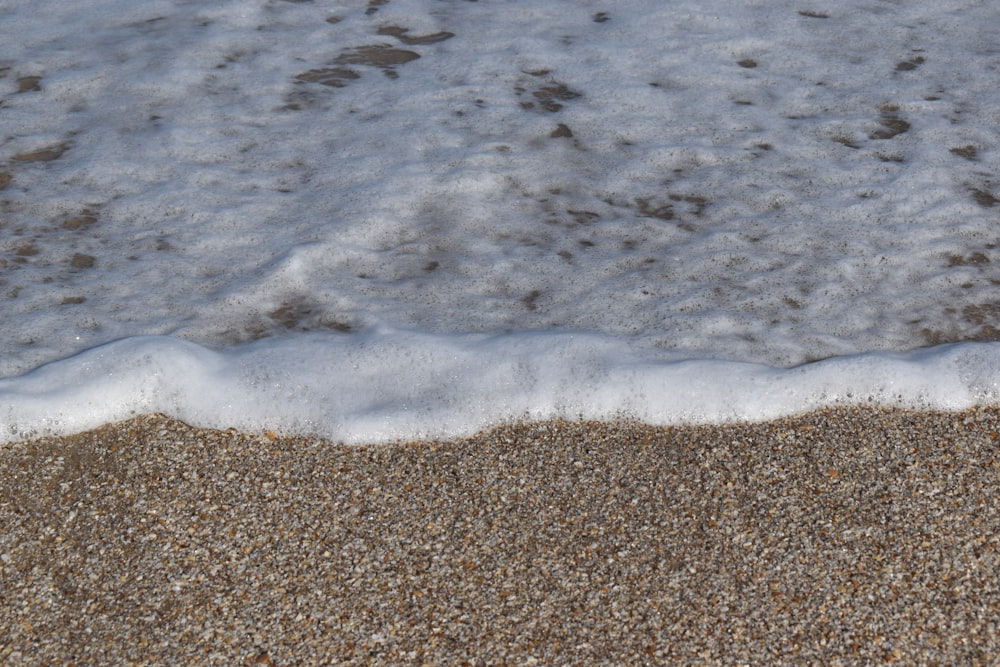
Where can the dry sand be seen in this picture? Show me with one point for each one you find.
(854, 536)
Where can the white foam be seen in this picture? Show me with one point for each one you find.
(391, 384)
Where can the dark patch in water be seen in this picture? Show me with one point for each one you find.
(376, 55)
(382, 56)
(562, 131)
(969, 152)
(548, 96)
(583, 217)
(647, 209)
(984, 198)
(911, 64)
(29, 83)
(373, 6)
(530, 300)
(846, 141)
(43, 155)
(81, 261)
(400, 34)
(85, 219)
(975, 259)
(892, 124)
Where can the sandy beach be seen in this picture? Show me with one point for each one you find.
(840, 537)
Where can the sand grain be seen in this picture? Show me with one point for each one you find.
(840, 537)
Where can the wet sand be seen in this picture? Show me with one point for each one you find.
(839, 537)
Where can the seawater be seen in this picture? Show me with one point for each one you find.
(371, 220)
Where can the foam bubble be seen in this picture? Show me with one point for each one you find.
(390, 384)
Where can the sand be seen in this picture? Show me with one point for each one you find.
(852, 536)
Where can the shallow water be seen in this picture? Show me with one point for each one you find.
(763, 182)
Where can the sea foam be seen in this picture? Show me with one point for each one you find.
(419, 217)
(396, 384)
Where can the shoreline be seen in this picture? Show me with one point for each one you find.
(851, 535)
